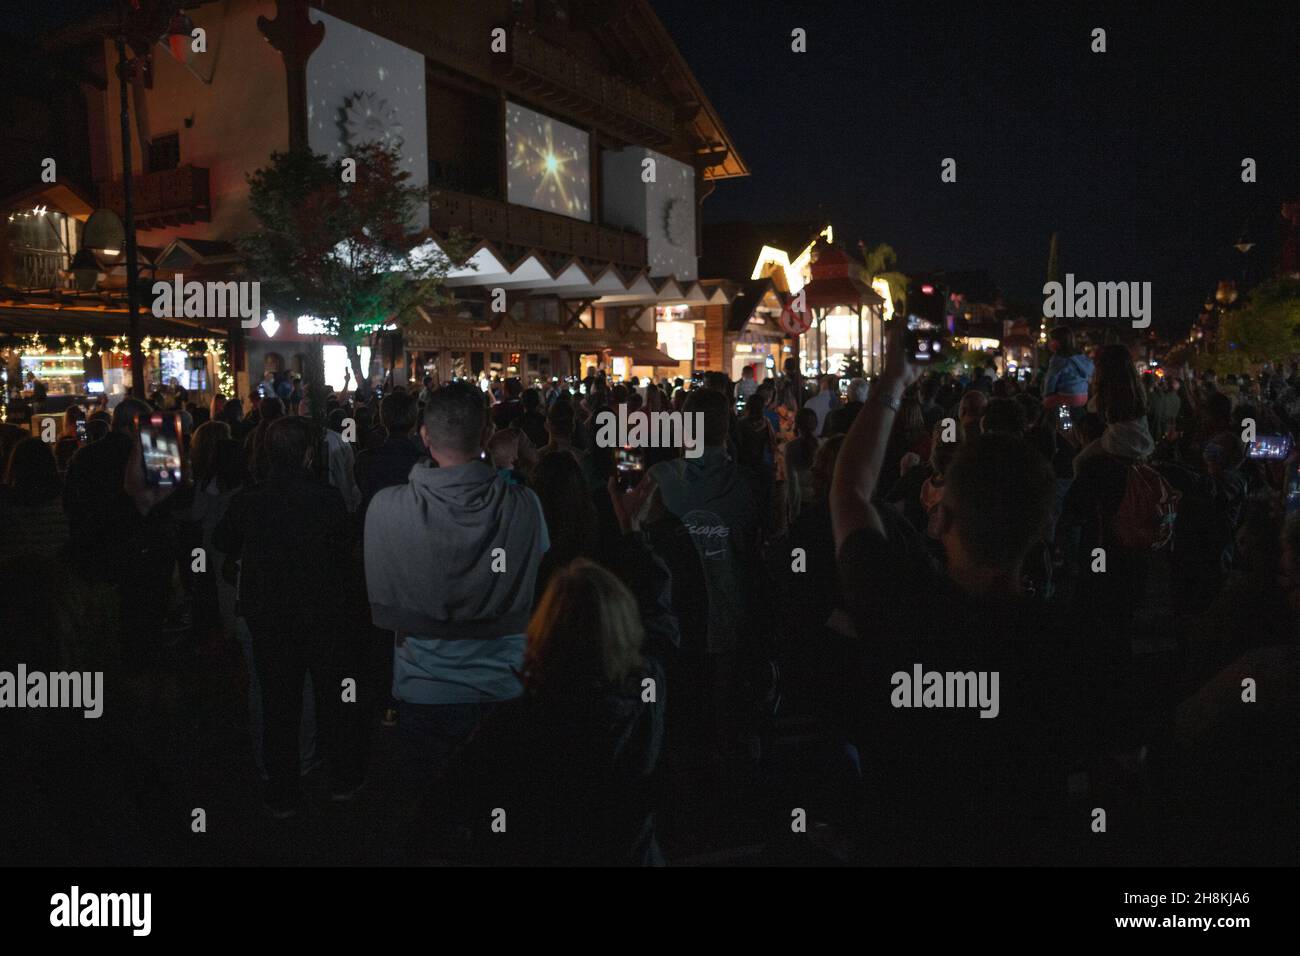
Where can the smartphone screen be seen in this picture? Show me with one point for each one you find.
(1063, 414)
(81, 432)
(629, 467)
(1270, 447)
(160, 439)
(1293, 488)
(925, 340)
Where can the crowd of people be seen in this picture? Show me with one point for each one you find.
(595, 655)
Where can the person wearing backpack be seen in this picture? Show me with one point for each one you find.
(1120, 503)
(1068, 373)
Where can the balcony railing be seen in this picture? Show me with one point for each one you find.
(40, 269)
(554, 72)
(500, 222)
(168, 198)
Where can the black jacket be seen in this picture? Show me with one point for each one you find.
(389, 464)
(102, 520)
(576, 773)
(292, 536)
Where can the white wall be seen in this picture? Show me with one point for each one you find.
(663, 211)
(391, 105)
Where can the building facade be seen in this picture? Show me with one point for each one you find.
(565, 141)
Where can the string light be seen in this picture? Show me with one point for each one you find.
(88, 347)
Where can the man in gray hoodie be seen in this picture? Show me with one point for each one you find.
(451, 563)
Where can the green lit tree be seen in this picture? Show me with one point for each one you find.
(1263, 330)
(342, 247)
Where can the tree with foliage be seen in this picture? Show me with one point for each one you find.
(1263, 330)
(851, 366)
(880, 263)
(344, 247)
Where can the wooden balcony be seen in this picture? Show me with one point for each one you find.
(507, 224)
(169, 198)
(555, 74)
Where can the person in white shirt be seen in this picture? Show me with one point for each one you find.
(748, 382)
(341, 464)
(824, 401)
(342, 461)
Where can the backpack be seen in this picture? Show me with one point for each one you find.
(1144, 520)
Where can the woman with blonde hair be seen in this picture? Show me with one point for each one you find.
(585, 634)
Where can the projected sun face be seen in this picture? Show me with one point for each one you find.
(548, 164)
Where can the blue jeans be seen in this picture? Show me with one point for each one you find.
(430, 733)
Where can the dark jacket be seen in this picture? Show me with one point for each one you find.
(102, 520)
(507, 413)
(576, 773)
(840, 420)
(291, 536)
(389, 464)
(575, 776)
(533, 424)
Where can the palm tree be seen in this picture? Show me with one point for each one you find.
(880, 263)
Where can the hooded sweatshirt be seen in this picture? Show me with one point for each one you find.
(451, 563)
(1130, 440)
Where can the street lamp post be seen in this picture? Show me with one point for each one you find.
(140, 24)
(124, 68)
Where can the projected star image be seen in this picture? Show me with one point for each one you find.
(549, 164)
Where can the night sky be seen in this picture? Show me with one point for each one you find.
(1133, 156)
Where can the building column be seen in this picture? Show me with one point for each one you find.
(295, 37)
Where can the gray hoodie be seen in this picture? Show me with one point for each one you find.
(1130, 440)
(451, 563)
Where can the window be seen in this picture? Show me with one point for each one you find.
(465, 156)
(164, 152)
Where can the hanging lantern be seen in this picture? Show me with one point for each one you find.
(1226, 294)
(179, 38)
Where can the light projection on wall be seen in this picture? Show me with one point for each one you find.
(550, 166)
(365, 117)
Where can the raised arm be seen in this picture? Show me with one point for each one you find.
(857, 469)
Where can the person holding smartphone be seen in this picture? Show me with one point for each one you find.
(1068, 373)
(72, 436)
(118, 527)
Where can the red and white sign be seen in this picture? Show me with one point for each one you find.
(796, 317)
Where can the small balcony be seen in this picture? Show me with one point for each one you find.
(39, 269)
(506, 224)
(171, 197)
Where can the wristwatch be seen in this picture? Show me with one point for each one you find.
(884, 399)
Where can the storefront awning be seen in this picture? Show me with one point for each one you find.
(22, 316)
(654, 357)
(64, 197)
